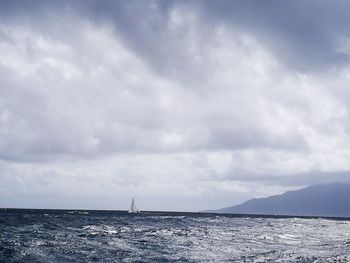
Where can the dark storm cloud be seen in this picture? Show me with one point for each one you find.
(304, 35)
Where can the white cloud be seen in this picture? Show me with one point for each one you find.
(212, 116)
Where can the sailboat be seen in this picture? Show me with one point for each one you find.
(133, 209)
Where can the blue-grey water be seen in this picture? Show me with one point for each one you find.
(112, 236)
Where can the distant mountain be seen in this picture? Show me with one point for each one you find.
(317, 200)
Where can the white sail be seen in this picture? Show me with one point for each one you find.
(133, 208)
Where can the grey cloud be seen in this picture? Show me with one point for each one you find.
(213, 99)
(293, 179)
(49, 114)
(245, 138)
(123, 109)
(303, 34)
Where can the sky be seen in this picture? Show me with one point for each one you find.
(184, 105)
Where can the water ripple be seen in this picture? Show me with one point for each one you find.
(100, 236)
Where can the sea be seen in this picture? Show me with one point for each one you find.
(116, 236)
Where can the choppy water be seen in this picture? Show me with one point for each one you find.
(97, 236)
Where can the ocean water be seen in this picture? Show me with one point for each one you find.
(112, 236)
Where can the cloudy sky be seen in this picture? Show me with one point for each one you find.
(186, 105)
